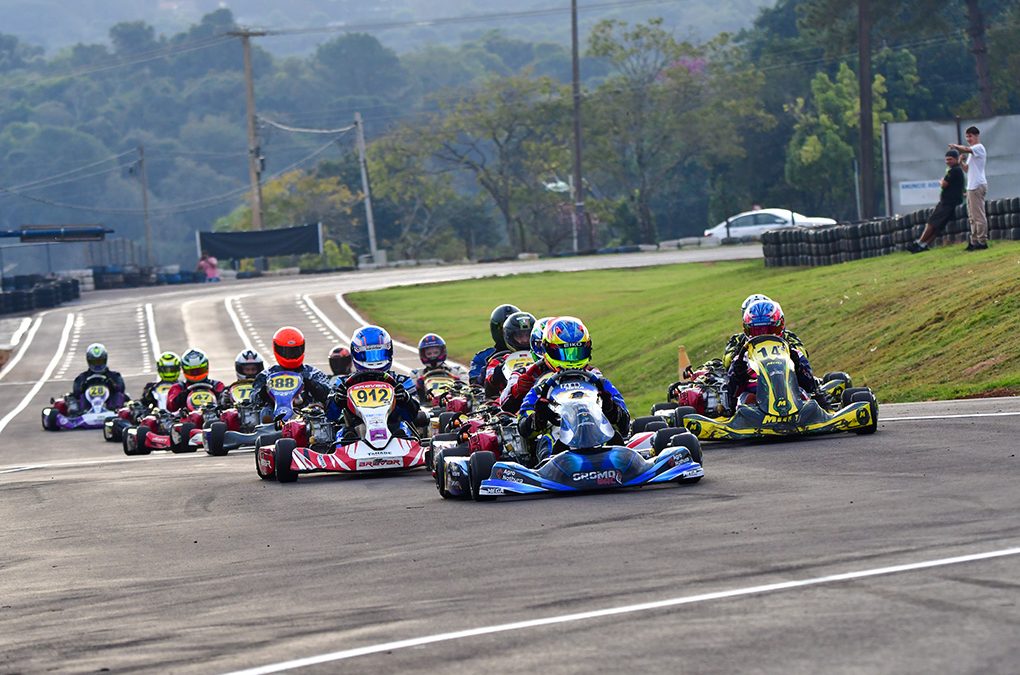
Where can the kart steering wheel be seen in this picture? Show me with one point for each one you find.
(370, 376)
(573, 375)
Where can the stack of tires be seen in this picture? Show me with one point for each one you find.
(25, 294)
(816, 246)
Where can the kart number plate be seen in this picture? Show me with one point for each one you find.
(517, 363)
(201, 398)
(284, 383)
(438, 383)
(95, 391)
(162, 389)
(371, 395)
(241, 392)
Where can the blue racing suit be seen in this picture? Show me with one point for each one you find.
(476, 375)
(403, 417)
(535, 416)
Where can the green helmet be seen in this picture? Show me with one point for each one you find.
(169, 367)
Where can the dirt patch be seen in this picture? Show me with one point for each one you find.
(984, 365)
(996, 393)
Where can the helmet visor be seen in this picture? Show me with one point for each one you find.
(248, 370)
(429, 354)
(518, 339)
(291, 352)
(196, 373)
(373, 355)
(168, 373)
(569, 353)
(754, 331)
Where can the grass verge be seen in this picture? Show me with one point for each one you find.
(943, 324)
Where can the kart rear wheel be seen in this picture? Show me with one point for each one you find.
(682, 411)
(848, 395)
(283, 455)
(691, 442)
(184, 445)
(444, 421)
(655, 425)
(214, 439)
(440, 474)
(480, 468)
(140, 439)
(656, 407)
(637, 425)
(866, 395)
(837, 375)
(49, 420)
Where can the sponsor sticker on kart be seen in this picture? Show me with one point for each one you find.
(371, 394)
(602, 477)
(377, 435)
(509, 475)
(380, 463)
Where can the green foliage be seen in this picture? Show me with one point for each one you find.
(862, 317)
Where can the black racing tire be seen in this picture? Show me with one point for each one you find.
(50, 420)
(662, 437)
(655, 425)
(837, 375)
(184, 445)
(656, 407)
(638, 424)
(873, 406)
(681, 412)
(440, 474)
(444, 421)
(283, 454)
(140, 442)
(214, 439)
(691, 442)
(480, 468)
(422, 420)
(848, 395)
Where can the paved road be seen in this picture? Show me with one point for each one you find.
(896, 552)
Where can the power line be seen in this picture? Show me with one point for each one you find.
(284, 127)
(69, 172)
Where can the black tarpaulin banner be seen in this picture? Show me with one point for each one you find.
(284, 241)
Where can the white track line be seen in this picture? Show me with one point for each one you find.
(943, 417)
(615, 611)
(16, 338)
(24, 348)
(110, 460)
(229, 304)
(46, 375)
(150, 319)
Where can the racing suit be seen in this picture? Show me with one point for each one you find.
(495, 379)
(315, 385)
(476, 375)
(739, 376)
(735, 346)
(520, 383)
(118, 395)
(177, 397)
(148, 398)
(536, 417)
(401, 421)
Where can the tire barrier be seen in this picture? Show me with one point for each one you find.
(43, 294)
(818, 246)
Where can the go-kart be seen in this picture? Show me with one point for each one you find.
(584, 461)
(779, 407)
(489, 429)
(250, 423)
(162, 430)
(89, 412)
(444, 393)
(370, 446)
(132, 412)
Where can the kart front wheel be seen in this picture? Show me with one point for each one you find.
(480, 468)
(872, 408)
(691, 442)
(283, 455)
(49, 420)
(656, 407)
(848, 395)
(681, 412)
(214, 439)
(184, 445)
(638, 424)
(663, 438)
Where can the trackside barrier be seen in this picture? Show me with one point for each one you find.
(817, 246)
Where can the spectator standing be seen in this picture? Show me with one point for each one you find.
(977, 187)
(210, 266)
(950, 197)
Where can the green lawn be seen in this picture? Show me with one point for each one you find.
(944, 324)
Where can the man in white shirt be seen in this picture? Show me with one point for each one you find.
(977, 187)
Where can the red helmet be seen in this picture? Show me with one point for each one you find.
(289, 347)
(764, 317)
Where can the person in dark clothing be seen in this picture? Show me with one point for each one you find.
(289, 351)
(476, 374)
(96, 356)
(950, 197)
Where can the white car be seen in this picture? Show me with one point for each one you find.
(753, 223)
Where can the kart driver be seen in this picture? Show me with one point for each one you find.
(567, 344)
(432, 354)
(289, 351)
(764, 317)
(517, 337)
(96, 356)
(735, 345)
(195, 366)
(169, 369)
(339, 363)
(372, 352)
(247, 365)
(476, 375)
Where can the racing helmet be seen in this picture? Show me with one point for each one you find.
(248, 364)
(517, 331)
(289, 347)
(537, 332)
(96, 356)
(751, 299)
(169, 367)
(195, 365)
(567, 343)
(372, 349)
(496, 320)
(432, 350)
(340, 360)
(764, 317)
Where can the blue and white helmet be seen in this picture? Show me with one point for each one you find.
(372, 349)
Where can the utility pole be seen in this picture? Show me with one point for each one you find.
(578, 191)
(254, 152)
(867, 141)
(145, 205)
(976, 29)
(364, 186)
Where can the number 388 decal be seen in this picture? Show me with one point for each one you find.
(284, 382)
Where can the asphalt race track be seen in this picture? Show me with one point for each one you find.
(894, 553)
